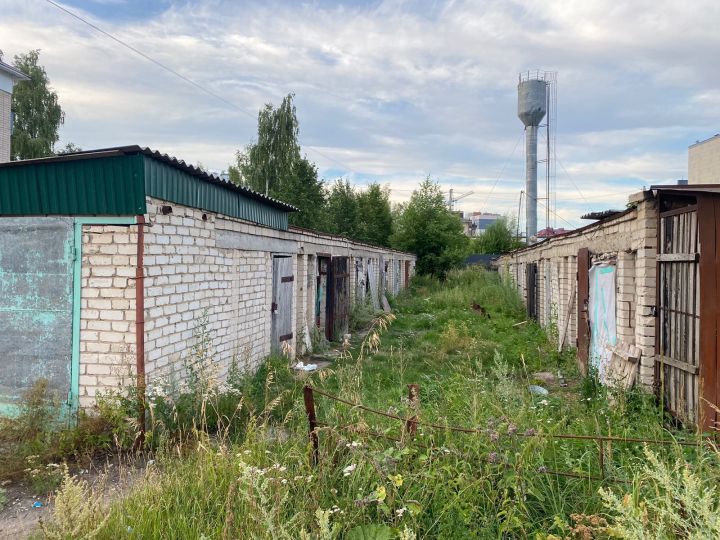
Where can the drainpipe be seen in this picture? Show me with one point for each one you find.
(140, 329)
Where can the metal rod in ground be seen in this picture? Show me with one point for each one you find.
(414, 401)
(312, 424)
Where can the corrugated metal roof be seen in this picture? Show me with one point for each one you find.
(115, 181)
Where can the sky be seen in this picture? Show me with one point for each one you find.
(393, 91)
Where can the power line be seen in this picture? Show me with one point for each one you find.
(502, 171)
(180, 75)
(570, 178)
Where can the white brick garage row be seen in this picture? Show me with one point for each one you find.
(202, 268)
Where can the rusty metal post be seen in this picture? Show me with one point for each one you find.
(414, 401)
(312, 423)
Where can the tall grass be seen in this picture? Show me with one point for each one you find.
(248, 473)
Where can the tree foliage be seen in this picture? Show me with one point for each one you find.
(38, 114)
(427, 228)
(499, 237)
(272, 161)
(273, 165)
(374, 215)
(342, 211)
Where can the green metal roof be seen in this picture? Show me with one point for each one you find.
(116, 181)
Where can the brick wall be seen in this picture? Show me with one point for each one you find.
(107, 309)
(630, 241)
(204, 274)
(5, 128)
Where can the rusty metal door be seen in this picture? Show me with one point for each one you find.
(339, 298)
(282, 301)
(678, 311)
(532, 290)
(36, 306)
(583, 320)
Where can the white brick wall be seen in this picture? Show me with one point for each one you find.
(107, 309)
(5, 128)
(189, 276)
(631, 239)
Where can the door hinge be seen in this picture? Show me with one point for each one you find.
(273, 307)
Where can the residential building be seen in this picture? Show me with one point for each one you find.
(704, 161)
(8, 77)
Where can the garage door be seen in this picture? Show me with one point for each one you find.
(36, 290)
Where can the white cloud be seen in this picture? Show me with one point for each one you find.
(393, 91)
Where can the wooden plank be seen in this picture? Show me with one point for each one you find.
(678, 257)
(676, 211)
(568, 313)
(679, 364)
(583, 324)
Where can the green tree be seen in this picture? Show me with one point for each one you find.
(342, 210)
(272, 160)
(499, 237)
(38, 114)
(273, 166)
(375, 216)
(306, 192)
(429, 230)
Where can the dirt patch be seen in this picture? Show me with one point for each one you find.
(24, 509)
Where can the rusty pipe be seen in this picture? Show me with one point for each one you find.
(140, 328)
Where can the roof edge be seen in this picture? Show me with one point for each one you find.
(14, 72)
(164, 158)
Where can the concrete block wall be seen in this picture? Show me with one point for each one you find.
(107, 310)
(630, 240)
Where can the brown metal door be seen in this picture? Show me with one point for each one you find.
(282, 301)
(709, 336)
(532, 289)
(583, 323)
(678, 310)
(338, 319)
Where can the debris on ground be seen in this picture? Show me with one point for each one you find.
(538, 390)
(301, 366)
(544, 376)
(479, 309)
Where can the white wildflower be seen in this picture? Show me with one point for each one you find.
(347, 471)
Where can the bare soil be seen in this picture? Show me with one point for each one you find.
(21, 515)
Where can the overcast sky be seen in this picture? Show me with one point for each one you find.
(391, 91)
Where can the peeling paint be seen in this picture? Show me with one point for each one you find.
(36, 301)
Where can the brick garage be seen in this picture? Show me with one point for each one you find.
(629, 242)
(664, 254)
(204, 251)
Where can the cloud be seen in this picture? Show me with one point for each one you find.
(391, 91)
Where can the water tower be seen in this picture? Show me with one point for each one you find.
(532, 108)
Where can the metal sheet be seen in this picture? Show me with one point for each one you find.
(282, 307)
(107, 186)
(36, 288)
(602, 315)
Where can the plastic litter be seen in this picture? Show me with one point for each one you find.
(37, 504)
(538, 390)
(300, 366)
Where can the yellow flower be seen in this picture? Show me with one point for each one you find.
(380, 493)
(396, 479)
